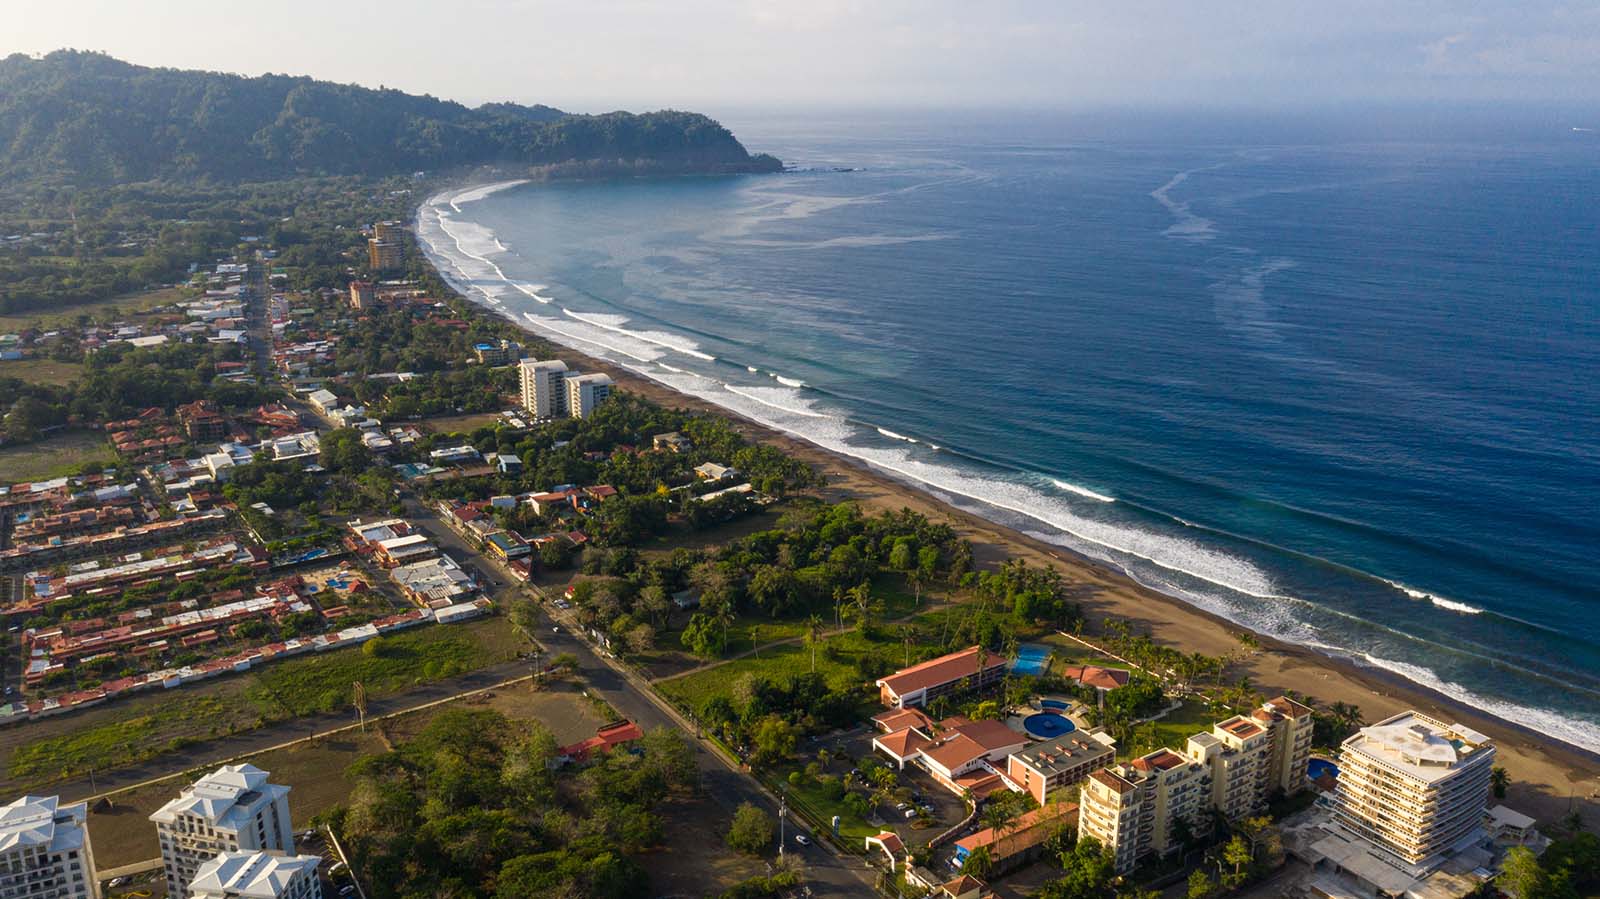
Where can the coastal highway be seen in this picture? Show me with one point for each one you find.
(828, 872)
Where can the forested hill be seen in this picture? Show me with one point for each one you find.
(85, 118)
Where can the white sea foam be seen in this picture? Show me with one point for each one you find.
(752, 369)
(893, 436)
(473, 194)
(1082, 491)
(788, 382)
(1576, 731)
(1440, 601)
(1186, 224)
(659, 338)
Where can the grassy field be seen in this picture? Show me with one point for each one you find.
(62, 453)
(316, 771)
(41, 371)
(142, 728)
(1172, 730)
(124, 305)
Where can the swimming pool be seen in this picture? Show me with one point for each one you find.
(1318, 767)
(1055, 705)
(1031, 658)
(1047, 725)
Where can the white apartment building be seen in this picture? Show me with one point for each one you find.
(44, 850)
(233, 808)
(257, 875)
(585, 392)
(1413, 786)
(1172, 788)
(544, 390)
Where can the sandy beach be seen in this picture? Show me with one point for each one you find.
(1549, 778)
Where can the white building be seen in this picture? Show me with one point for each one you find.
(1414, 787)
(585, 392)
(44, 850)
(230, 809)
(544, 392)
(257, 875)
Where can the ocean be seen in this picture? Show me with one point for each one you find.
(1340, 388)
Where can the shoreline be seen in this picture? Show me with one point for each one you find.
(1549, 777)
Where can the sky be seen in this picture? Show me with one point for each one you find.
(598, 55)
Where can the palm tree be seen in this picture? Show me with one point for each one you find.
(813, 628)
(1498, 781)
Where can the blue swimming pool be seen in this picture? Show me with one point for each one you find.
(1047, 725)
(1031, 659)
(1318, 767)
(1059, 705)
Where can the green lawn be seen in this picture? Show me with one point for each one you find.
(132, 739)
(1172, 730)
(808, 795)
(62, 453)
(775, 663)
(41, 371)
(114, 307)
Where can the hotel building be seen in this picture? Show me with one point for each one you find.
(922, 683)
(1291, 726)
(383, 255)
(1239, 753)
(44, 850)
(1043, 768)
(257, 875)
(1414, 787)
(1108, 813)
(230, 809)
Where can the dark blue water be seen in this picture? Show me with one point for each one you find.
(1344, 393)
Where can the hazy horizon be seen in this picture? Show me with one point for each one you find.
(843, 54)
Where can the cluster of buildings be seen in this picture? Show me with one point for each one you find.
(550, 390)
(427, 576)
(226, 836)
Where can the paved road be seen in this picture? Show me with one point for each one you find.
(829, 873)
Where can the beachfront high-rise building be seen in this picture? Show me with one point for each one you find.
(1108, 813)
(1413, 786)
(390, 230)
(544, 388)
(1239, 753)
(44, 850)
(233, 808)
(257, 875)
(384, 255)
(585, 392)
(1291, 726)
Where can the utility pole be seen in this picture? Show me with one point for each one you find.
(783, 817)
(359, 691)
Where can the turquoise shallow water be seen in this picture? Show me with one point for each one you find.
(1340, 392)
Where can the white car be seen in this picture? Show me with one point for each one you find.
(802, 839)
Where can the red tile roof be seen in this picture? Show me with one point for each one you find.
(1099, 678)
(945, 669)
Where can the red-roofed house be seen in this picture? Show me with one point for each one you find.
(1023, 840)
(921, 683)
(606, 739)
(888, 842)
(902, 745)
(899, 719)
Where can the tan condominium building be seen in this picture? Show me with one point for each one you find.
(44, 850)
(1108, 813)
(586, 392)
(544, 389)
(230, 809)
(257, 875)
(1134, 809)
(384, 255)
(1413, 786)
(1238, 752)
(387, 230)
(1290, 725)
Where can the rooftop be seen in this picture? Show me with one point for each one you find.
(942, 670)
(1423, 747)
(42, 821)
(226, 796)
(1064, 752)
(251, 874)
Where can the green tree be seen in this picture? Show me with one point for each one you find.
(751, 831)
(773, 740)
(1201, 886)
(1522, 877)
(1499, 780)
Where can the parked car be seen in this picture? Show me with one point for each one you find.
(802, 839)
(910, 813)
